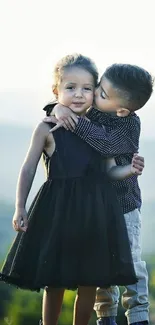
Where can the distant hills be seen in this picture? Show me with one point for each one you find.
(14, 142)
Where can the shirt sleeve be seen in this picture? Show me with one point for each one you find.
(123, 140)
(49, 107)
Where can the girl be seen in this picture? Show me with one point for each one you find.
(75, 217)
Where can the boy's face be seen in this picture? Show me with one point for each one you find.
(106, 98)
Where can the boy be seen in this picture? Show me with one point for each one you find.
(114, 131)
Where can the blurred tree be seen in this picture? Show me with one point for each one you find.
(67, 308)
(6, 292)
(24, 308)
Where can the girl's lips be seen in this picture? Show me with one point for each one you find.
(78, 104)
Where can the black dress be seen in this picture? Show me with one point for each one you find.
(76, 234)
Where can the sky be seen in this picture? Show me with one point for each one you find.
(35, 34)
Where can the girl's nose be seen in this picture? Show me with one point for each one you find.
(78, 93)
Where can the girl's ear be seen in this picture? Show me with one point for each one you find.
(55, 90)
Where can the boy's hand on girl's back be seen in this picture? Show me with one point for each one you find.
(137, 164)
(62, 116)
(20, 221)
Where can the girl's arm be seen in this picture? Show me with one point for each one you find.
(27, 173)
(121, 172)
(28, 169)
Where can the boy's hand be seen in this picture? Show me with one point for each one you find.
(137, 164)
(52, 119)
(64, 116)
(19, 221)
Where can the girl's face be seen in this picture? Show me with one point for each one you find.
(76, 90)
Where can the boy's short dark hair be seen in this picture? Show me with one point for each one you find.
(134, 84)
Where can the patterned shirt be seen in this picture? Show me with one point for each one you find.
(117, 137)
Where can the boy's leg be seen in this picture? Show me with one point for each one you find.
(83, 305)
(106, 303)
(135, 298)
(52, 302)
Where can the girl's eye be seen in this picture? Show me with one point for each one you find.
(70, 87)
(87, 88)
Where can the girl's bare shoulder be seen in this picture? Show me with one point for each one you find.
(42, 128)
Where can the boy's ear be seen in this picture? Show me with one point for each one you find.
(123, 112)
(55, 90)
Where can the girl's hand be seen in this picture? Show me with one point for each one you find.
(137, 164)
(19, 221)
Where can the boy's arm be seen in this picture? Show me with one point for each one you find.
(122, 140)
(121, 172)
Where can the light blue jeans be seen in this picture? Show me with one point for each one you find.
(135, 297)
